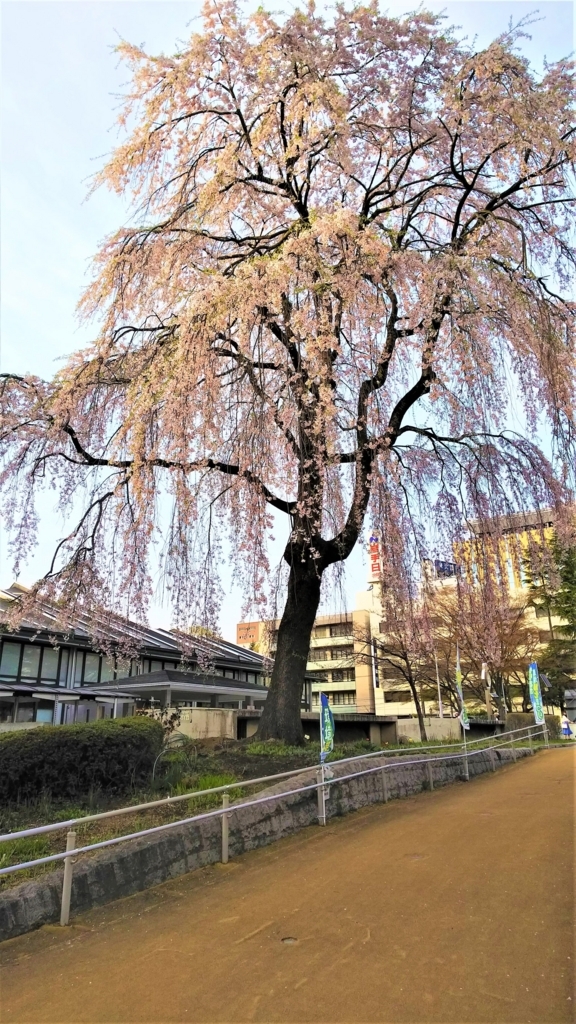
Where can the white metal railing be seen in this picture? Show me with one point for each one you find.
(166, 801)
(324, 780)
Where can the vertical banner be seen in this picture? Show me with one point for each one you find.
(463, 713)
(535, 693)
(375, 559)
(326, 728)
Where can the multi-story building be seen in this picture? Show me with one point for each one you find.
(335, 663)
(343, 656)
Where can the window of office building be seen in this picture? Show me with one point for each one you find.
(157, 665)
(341, 629)
(6, 710)
(319, 654)
(321, 631)
(63, 671)
(50, 658)
(30, 662)
(340, 675)
(10, 661)
(107, 670)
(25, 712)
(91, 668)
(346, 651)
(33, 663)
(342, 697)
(333, 698)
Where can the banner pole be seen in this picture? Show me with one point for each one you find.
(463, 713)
(466, 771)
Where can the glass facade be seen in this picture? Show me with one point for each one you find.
(66, 666)
(33, 663)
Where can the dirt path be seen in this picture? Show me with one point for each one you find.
(453, 906)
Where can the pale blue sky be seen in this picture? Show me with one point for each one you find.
(60, 80)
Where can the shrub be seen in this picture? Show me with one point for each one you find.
(68, 761)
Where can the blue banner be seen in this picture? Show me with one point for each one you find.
(535, 693)
(326, 728)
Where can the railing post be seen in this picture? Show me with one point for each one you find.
(225, 830)
(321, 796)
(492, 758)
(385, 785)
(466, 769)
(546, 741)
(513, 749)
(67, 883)
(430, 776)
(530, 739)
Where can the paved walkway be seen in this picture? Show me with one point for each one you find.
(453, 906)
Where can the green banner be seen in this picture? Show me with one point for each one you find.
(326, 728)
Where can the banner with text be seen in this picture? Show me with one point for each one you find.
(326, 728)
(535, 693)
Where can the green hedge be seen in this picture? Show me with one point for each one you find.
(67, 761)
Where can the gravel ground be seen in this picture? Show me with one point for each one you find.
(452, 907)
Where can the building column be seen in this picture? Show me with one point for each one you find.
(375, 734)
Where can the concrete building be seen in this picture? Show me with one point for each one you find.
(343, 649)
(334, 664)
(51, 676)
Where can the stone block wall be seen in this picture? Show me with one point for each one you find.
(128, 868)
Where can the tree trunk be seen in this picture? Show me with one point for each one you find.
(281, 718)
(416, 700)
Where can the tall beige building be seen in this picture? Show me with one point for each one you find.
(342, 648)
(337, 657)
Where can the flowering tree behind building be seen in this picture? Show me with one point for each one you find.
(350, 245)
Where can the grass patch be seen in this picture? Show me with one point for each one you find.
(31, 814)
(309, 751)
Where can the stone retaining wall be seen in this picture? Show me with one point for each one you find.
(129, 868)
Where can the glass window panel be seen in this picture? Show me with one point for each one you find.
(6, 710)
(79, 668)
(91, 668)
(63, 667)
(155, 666)
(30, 662)
(10, 659)
(107, 670)
(341, 629)
(319, 654)
(25, 713)
(50, 664)
(45, 715)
